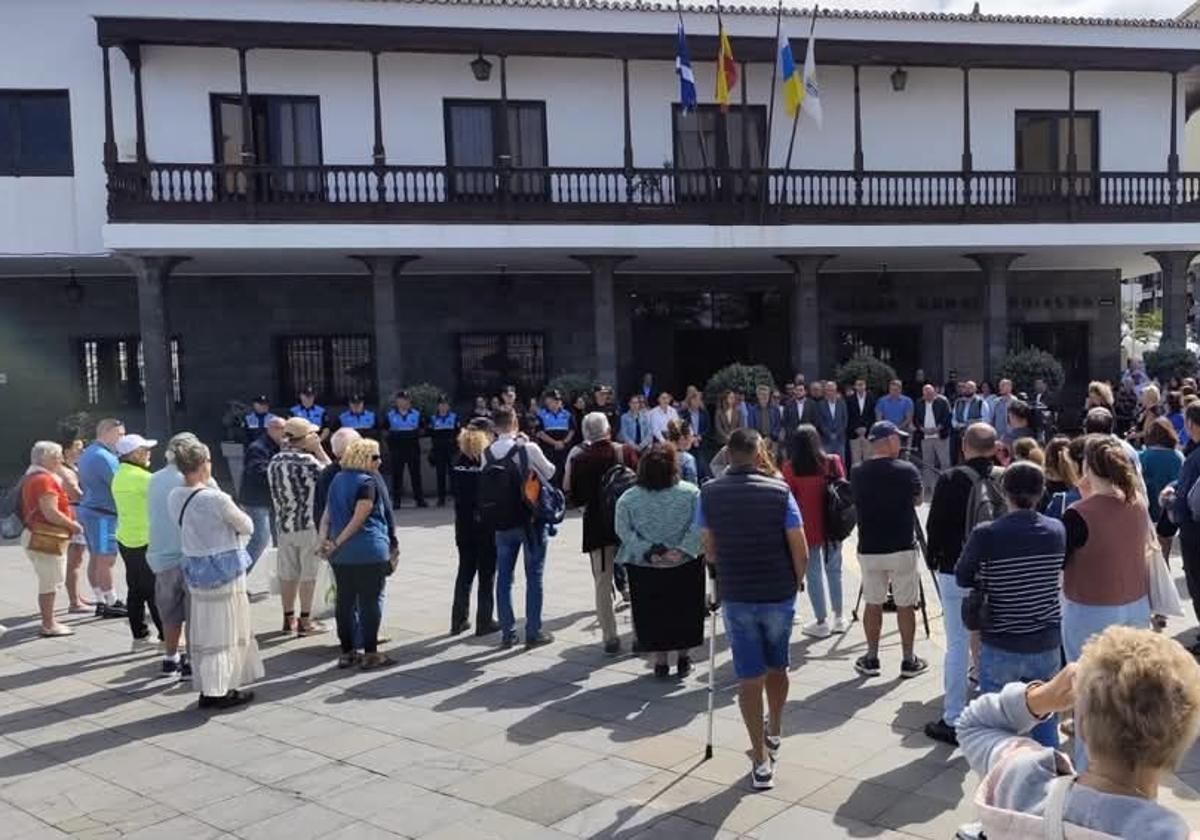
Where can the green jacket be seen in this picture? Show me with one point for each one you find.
(130, 486)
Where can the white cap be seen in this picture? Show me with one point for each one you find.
(132, 443)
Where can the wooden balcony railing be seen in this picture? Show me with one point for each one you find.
(199, 192)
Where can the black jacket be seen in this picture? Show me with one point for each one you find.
(856, 420)
(947, 524)
(942, 415)
(256, 492)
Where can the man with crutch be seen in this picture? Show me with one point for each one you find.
(754, 537)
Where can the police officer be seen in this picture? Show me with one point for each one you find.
(255, 421)
(602, 401)
(443, 429)
(556, 432)
(358, 416)
(310, 411)
(404, 443)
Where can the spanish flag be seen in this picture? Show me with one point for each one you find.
(726, 68)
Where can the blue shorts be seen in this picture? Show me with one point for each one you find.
(760, 635)
(100, 531)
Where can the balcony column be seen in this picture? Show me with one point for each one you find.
(805, 312)
(859, 163)
(133, 53)
(1174, 266)
(378, 155)
(389, 367)
(995, 268)
(604, 313)
(247, 119)
(151, 275)
(1072, 157)
(1173, 157)
(110, 141)
(968, 160)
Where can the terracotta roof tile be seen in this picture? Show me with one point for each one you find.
(768, 9)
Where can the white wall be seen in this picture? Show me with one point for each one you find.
(53, 45)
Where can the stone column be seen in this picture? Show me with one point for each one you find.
(604, 313)
(150, 274)
(995, 269)
(805, 309)
(1174, 265)
(389, 366)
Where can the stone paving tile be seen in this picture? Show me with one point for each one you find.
(463, 741)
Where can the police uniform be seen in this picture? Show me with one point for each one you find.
(558, 425)
(314, 415)
(255, 425)
(404, 442)
(364, 422)
(443, 429)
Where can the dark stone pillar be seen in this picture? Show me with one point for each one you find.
(389, 363)
(151, 274)
(995, 269)
(604, 314)
(1174, 265)
(805, 309)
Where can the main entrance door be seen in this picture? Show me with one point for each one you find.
(962, 350)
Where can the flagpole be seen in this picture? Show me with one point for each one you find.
(787, 166)
(695, 111)
(722, 107)
(766, 150)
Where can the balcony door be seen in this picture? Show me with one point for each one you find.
(474, 143)
(285, 131)
(1043, 144)
(711, 162)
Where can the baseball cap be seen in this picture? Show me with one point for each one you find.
(884, 429)
(132, 443)
(297, 428)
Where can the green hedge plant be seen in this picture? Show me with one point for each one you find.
(864, 366)
(424, 396)
(1166, 362)
(737, 376)
(1024, 366)
(571, 385)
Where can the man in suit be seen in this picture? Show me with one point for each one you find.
(933, 422)
(860, 414)
(833, 420)
(969, 408)
(800, 410)
(765, 417)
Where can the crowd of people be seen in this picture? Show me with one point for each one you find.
(1045, 550)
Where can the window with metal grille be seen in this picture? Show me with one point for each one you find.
(112, 371)
(337, 366)
(489, 361)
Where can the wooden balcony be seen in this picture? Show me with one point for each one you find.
(205, 192)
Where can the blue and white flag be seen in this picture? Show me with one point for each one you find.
(683, 69)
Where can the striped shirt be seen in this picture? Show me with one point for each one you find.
(1018, 560)
(293, 479)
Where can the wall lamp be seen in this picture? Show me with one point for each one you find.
(899, 79)
(481, 68)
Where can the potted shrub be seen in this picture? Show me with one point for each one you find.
(233, 441)
(737, 377)
(1024, 366)
(424, 396)
(865, 366)
(571, 385)
(1166, 362)
(77, 426)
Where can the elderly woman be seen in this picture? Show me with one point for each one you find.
(212, 538)
(130, 490)
(49, 526)
(660, 549)
(475, 541)
(1136, 697)
(587, 465)
(362, 551)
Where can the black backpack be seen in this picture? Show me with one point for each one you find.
(840, 514)
(11, 524)
(985, 502)
(616, 480)
(501, 499)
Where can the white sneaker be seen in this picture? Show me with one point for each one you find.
(818, 630)
(841, 624)
(762, 776)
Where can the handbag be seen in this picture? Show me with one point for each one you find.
(49, 540)
(977, 606)
(1164, 597)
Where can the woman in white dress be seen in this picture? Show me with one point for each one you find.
(213, 535)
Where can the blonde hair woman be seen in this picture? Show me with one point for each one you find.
(49, 526)
(1136, 697)
(476, 543)
(362, 551)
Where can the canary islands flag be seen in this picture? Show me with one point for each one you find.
(726, 69)
(793, 86)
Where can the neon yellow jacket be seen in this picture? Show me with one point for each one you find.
(130, 489)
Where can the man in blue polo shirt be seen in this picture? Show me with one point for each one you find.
(97, 514)
(754, 536)
(310, 411)
(556, 433)
(357, 416)
(255, 421)
(896, 408)
(404, 444)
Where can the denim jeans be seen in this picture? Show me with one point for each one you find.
(360, 591)
(999, 667)
(356, 621)
(508, 543)
(958, 649)
(824, 564)
(262, 536)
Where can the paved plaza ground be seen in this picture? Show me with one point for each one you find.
(462, 741)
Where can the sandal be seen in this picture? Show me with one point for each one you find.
(371, 661)
(349, 660)
(56, 631)
(309, 627)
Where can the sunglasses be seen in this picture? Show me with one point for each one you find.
(376, 457)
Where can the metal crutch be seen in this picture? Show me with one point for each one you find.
(712, 605)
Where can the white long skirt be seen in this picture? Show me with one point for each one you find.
(224, 652)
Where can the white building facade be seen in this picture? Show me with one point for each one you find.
(202, 203)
